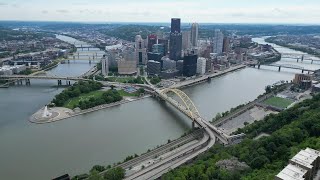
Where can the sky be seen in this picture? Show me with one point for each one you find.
(202, 11)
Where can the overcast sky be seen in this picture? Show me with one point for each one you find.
(204, 11)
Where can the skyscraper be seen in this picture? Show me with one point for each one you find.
(140, 50)
(175, 25)
(194, 34)
(165, 43)
(226, 44)
(186, 40)
(218, 42)
(105, 65)
(175, 39)
(152, 39)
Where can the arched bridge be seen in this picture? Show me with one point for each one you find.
(192, 111)
(188, 108)
(183, 155)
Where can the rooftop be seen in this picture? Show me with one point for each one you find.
(292, 172)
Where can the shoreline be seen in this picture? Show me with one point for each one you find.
(32, 119)
(193, 82)
(67, 114)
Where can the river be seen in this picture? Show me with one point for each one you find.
(30, 151)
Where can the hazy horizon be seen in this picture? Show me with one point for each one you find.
(143, 11)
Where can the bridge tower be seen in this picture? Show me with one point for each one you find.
(302, 57)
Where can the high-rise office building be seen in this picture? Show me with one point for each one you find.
(105, 65)
(153, 67)
(180, 67)
(186, 40)
(159, 48)
(175, 39)
(190, 65)
(218, 42)
(165, 43)
(226, 45)
(168, 64)
(194, 34)
(152, 39)
(140, 51)
(175, 25)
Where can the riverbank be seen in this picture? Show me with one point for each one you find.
(207, 77)
(60, 113)
(297, 48)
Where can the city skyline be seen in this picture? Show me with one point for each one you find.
(202, 11)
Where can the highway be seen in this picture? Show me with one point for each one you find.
(162, 149)
(205, 77)
(178, 158)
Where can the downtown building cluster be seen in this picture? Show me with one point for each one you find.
(179, 53)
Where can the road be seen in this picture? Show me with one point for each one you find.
(184, 155)
(205, 77)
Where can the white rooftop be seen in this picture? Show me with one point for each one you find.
(292, 172)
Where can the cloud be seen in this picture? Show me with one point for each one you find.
(62, 11)
(44, 12)
(3, 4)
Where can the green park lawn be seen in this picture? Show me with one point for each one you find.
(95, 94)
(75, 101)
(278, 102)
(123, 93)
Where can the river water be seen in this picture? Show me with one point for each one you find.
(73, 146)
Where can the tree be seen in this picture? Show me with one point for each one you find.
(259, 161)
(117, 173)
(97, 168)
(268, 89)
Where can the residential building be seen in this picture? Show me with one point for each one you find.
(208, 65)
(201, 65)
(303, 165)
(194, 34)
